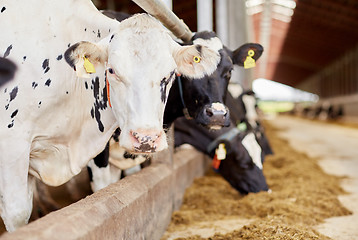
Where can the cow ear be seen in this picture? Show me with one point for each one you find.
(240, 54)
(84, 57)
(196, 61)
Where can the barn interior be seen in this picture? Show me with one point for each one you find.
(311, 45)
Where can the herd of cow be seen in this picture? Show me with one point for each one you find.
(73, 80)
(322, 110)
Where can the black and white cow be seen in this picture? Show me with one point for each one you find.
(7, 70)
(245, 148)
(199, 98)
(244, 111)
(203, 98)
(55, 118)
(241, 159)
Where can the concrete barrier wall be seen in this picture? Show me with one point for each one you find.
(137, 207)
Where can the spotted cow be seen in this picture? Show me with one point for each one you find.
(81, 75)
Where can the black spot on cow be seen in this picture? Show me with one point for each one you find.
(34, 85)
(68, 55)
(14, 113)
(85, 29)
(198, 48)
(100, 102)
(101, 160)
(110, 40)
(86, 85)
(7, 52)
(11, 124)
(163, 90)
(98, 34)
(3, 9)
(92, 112)
(163, 87)
(48, 82)
(45, 65)
(13, 93)
(66, 92)
(128, 155)
(59, 57)
(97, 115)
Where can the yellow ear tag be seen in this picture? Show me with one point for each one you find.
(250, 62)
(196, 59)
(88, 66)
(221, 152)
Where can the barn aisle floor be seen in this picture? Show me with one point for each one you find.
(337, 148)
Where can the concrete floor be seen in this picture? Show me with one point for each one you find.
(337, 147)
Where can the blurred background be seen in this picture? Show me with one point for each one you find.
(310, 60)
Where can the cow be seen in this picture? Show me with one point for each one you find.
(243, 110)
(245, 146)
(7, 70)
(241, 161)
(201, 99)
(82, 75)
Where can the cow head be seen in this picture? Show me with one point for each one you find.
(204, 97)
(242, 166)
(140, 61)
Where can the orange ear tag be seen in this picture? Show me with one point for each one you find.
(196, 59)
(108, 96)
(215, 163)
(250, 62)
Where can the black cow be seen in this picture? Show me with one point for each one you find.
(202, 99)
(241, 166)
(7, 70)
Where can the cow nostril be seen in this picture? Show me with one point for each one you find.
(209, 112)
(143, 138)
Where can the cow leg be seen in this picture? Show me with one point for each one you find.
(16, 203)
(16, 187)
(100, 177)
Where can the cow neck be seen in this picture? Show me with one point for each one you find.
(225, 136)
(185, 109)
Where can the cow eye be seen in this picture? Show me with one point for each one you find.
(227, 75)
(110, 70)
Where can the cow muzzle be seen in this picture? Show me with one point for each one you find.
(147, 141)
(215, 116)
